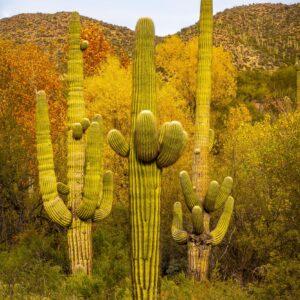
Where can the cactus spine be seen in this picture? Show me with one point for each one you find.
(202, 198)
(148, 151)
(89, 191)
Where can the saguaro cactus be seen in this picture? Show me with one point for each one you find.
(149, 151)
(88, 191)
(201, 198)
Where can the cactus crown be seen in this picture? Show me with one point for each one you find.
(217, 197)
(164, 146)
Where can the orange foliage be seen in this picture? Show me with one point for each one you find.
(98, 49)
(124, 59)
(24, 69)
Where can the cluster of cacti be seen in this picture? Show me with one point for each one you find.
(201, 197)
(149, 151)
(88, 190)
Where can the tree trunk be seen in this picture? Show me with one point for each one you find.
(80, 246)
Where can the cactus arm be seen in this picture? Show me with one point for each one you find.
(210, 198)
(63, 189)
(146, 137)
(179, 235)
(77, 131)
(216, 195)
(219, 232)
(105, 206)
(173, 141)
(53, 204)
(118, 143)
(224, 192)
(85, 124)
(93, 172)
(197, 220)
(188, 191)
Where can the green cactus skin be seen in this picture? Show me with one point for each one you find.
(211, 195)
(146, 146)
(197, 219)
(201, 197)
(118, 143)
(202, 146)
(200, 241)
(178, 234)
(63, 189)
(218, 233)
(216, 195)
(88, 198)
(190, 196)
(146, 136)
(173, 140)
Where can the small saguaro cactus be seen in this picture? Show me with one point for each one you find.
(201, 197)
(88, 191)
(149, 151)
(200, 239)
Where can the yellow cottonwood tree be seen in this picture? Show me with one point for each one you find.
(177, 62)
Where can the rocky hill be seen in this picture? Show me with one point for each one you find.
(258, 36)
(50, 31)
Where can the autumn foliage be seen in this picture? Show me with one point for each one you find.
(98, 49)
(25, 69)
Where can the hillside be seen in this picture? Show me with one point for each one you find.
(50, 31)
(258, 36)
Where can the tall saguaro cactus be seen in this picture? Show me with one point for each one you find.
(88, 191)
(201, 197)
(149, 151)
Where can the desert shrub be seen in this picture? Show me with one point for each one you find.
(280, 280)
(180, 287)
(264, 161)
(29, 268)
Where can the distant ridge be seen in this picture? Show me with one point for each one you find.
(258, 36)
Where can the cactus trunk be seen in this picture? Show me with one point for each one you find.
(80, 246)
(203, 98)
(200, 177)
(198, 260)
(79, 233)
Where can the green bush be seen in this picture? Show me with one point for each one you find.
(280, 280)
(27, 269)
(182, 288)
